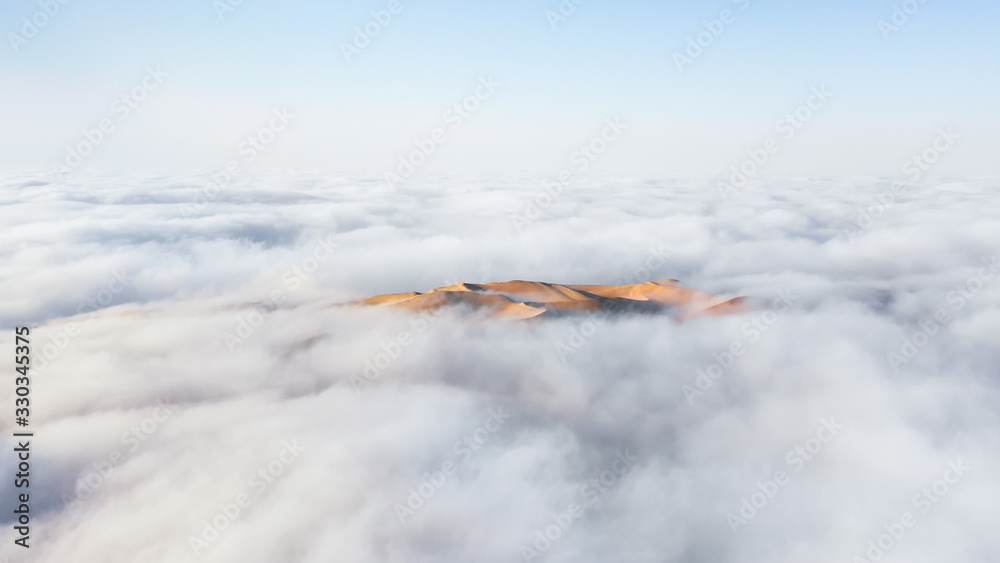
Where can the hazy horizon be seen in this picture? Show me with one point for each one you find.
(194, 196)
(226, 70)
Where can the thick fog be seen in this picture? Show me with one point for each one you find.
(201, 393)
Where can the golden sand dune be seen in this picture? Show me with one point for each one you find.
(527, 299)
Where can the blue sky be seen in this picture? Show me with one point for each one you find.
(941, 68)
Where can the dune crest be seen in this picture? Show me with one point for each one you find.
(518, 299)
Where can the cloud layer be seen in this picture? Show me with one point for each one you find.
(199, 396)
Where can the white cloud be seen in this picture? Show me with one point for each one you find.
(161, 338)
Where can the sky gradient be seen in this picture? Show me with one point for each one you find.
(558, 83)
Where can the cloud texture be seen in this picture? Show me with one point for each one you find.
(199, 395)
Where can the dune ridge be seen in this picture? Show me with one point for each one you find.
(519, 299)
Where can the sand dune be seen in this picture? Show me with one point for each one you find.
(519, 299)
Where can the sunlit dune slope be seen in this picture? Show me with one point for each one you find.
(527, 299)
